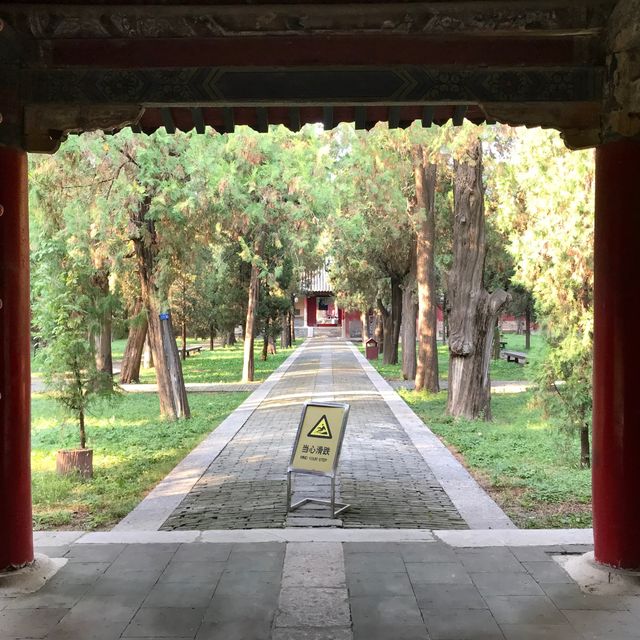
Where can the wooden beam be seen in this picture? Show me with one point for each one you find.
(490, 17)
(262, 120)
(294, 119)
(201, 86)
(167, 120)
(229, 121)
(327, 118)
(198, 119)
(458, 115)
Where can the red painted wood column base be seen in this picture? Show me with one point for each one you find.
(16, 537)
(616, 389)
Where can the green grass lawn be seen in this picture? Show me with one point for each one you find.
(223, 364)
(133, 450)
(523, 460)
(499, 370)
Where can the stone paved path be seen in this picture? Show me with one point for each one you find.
(381, 473)
(315, 591)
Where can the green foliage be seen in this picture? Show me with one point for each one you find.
(545, 195)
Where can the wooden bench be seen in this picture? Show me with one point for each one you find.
(503, 344)
(516, 356)
(194, 349)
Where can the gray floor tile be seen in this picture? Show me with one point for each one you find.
(547, 572)
(228, 609)
(506, 584)
(369, 584)
(594, 625)
(491, 559)
(524, 610)
(81, 627)
(179, 594)
(569, 596)
(445, 597)
(370, 547)
(390, 632)
(437, 573)
(383, 562)
(133, 586)
(535, 554)
(463, 625)
(426, 552)
(57, 596)
(249, 584)
(94, 552)
(29, 623)
(205, 572)
(163, 622)
(256, 561)
(197, 552)
(238, 630)
(539, 632)
(385, 610)
(307, 633)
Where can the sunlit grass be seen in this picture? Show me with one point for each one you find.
(133, 450)
(223, 364)
(528, 465)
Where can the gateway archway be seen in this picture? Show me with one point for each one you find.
(101, 65)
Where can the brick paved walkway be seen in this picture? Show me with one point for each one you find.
(381, 473)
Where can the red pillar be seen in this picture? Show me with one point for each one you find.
(616, 389)
(16, 537)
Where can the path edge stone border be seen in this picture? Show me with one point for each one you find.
(473, 503)
(163, 499)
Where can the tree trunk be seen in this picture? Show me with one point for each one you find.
(231, 337)
(83, 433)
(130, 370)
(171, 389)
(184, 339)
(364, 319)
(248, 367)
(265, 342)
(585, 449)
(378, 331)
(424, 220)
(496, 342)
(386, 332)
(445, 320)
(271, 346)
(527, 327)
(473, 311)
(212, 336)
(409, 317)
(292, 327)
(396, 315)
(147, 354)
(102, 339)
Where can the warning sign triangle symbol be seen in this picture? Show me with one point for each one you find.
(321, 429)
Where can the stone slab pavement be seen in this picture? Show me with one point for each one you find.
(314, 590)
(384, 471)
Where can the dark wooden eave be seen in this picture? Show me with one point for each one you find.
(87, 65)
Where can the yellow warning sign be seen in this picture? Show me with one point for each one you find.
(321, 429)
(319, 438)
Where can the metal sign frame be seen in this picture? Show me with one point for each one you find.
(331, 474)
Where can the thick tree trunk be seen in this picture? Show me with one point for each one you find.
(265, 341)
(527, 326)
(102, 339)
(473, 311)
(248, 366)
(212, 336)
(409, 317)
(130, 371)
(386, 333)
(171, 389)
(396, 315)
(231, 337)
(496, 342)
(424, 219)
